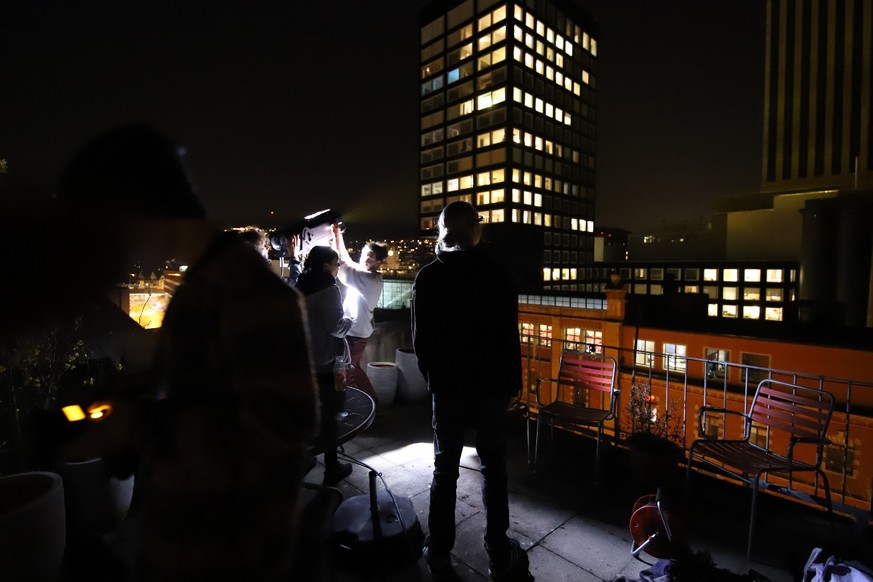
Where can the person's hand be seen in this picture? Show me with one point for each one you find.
(293, 247)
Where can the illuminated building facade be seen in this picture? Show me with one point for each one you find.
(818, 91)
(508, 124)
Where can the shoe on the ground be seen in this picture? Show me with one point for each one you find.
(334, 475)
(509, 565)
(440, 567)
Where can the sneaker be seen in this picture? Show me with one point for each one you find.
(334, 475)
(511, 565)
(441, 569)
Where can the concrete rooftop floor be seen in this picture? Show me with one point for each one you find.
(570, 530)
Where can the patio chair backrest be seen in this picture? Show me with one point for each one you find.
(797, 411)
(586, 371)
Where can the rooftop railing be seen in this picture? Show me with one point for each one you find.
(681, 384)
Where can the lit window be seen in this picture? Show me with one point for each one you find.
(774, 294)
(483, 198)
(729, 311)
(498, 175)
(538, 105)
(773, 314)
(586, 77)
(645, 353)
(498, 215)
(546, 334)
(751, 294)
(752, 275)
(466, 181)
(556, 274)
(712, 309)
(593, 47)
(559, 41)
(483, 179)
(674, 357)
(774, 275)
(452, 184)
(517, 33)
(528, 200)
(526, 217)
(547, 274)
(528, 42)
(527, 332)
(710, 274)
(497, 196)
(731, 275)
(538, 200)
(729, 293)
(498, 15)
(515, 215)
(715, 362)
(751, 312)
(586, 41)
(559, 62)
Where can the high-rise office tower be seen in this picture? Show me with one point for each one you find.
(508, 102)
(818, 94)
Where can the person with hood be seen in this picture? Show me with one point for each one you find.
(465, 334)
(327, 328)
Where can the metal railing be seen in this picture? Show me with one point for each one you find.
(690, 382)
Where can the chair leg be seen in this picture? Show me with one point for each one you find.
(597, 455)
(527, 438)
(752, 516)
(537, 444)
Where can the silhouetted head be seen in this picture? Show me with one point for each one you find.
(459, 227)
(133, 170)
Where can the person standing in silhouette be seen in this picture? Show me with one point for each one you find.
(465, 334)
(232, 393)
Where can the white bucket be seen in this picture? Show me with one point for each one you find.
(411, 384)
(383, 377)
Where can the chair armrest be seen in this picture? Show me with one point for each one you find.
(701, 418)
(536, 390)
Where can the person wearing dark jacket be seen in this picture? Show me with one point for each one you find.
(327, 328)
(465, 334)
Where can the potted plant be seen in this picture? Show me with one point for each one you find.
(653, 437)
(40, 370)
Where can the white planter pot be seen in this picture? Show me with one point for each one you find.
(383, 377)
(96, 501)
(32, 526)
(411, 384)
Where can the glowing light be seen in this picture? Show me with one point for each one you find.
(99, 411)
(73, 412)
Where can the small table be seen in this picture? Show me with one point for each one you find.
(360, 410)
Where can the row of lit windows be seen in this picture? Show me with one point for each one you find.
(547, 71)
(575, 338)
(496, 176)
(588, 43)
(748, 312)
(531, 101)
(488, 139)
(770, 294)
(728, 275)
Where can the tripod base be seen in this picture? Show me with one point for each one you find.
(377, 531)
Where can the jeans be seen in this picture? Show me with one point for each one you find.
(358, 378)
(452, 416)
(329, 407)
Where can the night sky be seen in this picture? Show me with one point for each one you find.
(290, 107)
